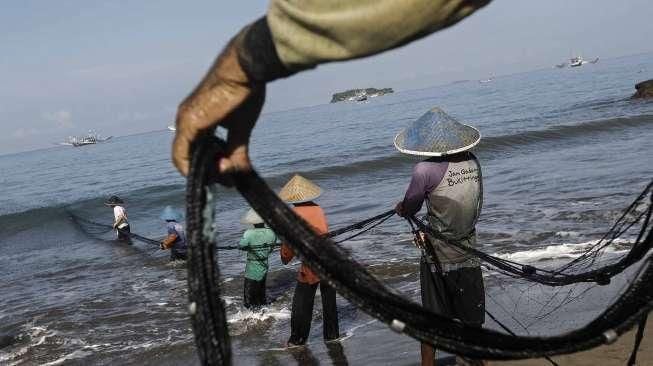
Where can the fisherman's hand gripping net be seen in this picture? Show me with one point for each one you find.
(353, 282)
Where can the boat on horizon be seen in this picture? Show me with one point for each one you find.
(488, 80)
(172, 128)
(91, 138)
(576, 61)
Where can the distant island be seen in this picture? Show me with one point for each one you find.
(359, 95)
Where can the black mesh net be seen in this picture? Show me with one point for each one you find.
(524, 296)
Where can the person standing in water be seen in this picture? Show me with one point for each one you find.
(259, 243)
(176, 239)
(450, 183)
(120, 223)
(301, 192)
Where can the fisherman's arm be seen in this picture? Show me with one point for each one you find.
(118, 221)
(294, 36)
(287, 253)
(414, 197)
(169, 241)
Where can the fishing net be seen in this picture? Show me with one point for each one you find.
(98, 230)
(333, 264)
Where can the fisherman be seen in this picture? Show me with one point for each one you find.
(301, 192)
(450, 183)
(176, 239)
(295, 36)
(120, 223)
(259, 243)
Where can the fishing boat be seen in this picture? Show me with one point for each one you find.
(91, 138)
(576, 61)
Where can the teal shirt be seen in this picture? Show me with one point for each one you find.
(258, 243)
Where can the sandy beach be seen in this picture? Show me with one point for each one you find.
(616, 354)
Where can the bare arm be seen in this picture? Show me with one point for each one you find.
(286, 253)
(168, 241)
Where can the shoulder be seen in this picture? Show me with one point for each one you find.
(428, 167)
(309, 209)
(268, 233)
(267, 230)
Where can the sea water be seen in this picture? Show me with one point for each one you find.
(564, 151)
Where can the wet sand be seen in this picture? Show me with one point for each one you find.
(616, 354)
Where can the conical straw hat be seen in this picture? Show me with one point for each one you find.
(436, 134)
(170, 214)
(251, 218)
(299, 189)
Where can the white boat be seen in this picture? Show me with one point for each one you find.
(488, 80)
(576, 61)
(172, 128)
(91, 138)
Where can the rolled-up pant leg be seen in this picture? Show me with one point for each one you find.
(329, 312)
(302, 312)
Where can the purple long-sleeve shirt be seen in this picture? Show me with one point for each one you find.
(426, 176)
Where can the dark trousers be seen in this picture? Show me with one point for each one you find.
(254, 293)
(177, 256)
(123, 234)
(302, 312)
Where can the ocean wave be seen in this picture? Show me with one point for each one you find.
(77, 354)
(244, 320)
(36, 335)
(493, 144)
(261, 315)
(587, 128)
(561, 251)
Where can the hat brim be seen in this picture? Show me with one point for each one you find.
(251, 222)
(251, 218)
(304, 200)
(436, 153)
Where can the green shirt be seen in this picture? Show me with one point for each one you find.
(259, 243)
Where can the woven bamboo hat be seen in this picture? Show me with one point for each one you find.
(436, 134)
(251, 218)
(170, 214)
(299, 190)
